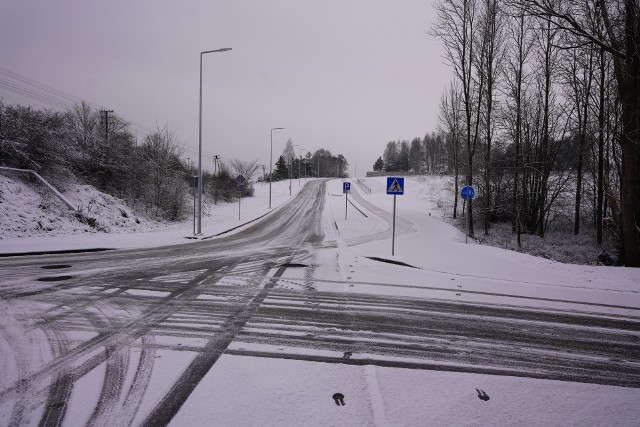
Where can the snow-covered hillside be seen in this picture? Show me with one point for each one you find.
(28, 209)
(31, 219)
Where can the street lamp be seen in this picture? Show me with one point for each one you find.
(299, 164)
(200, 141)
(291, 167)
(271, 164)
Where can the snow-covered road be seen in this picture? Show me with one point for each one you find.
(263, 326)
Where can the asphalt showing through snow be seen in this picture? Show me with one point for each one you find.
(120, 310)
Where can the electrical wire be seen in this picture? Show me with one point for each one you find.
(34, 90)
(47, 95)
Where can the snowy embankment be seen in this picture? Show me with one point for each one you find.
(35, 221)
(449, 268)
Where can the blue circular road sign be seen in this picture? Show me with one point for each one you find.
(467, 192)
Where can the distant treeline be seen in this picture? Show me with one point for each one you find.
(320, 164)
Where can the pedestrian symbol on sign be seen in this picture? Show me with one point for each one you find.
(395, 185)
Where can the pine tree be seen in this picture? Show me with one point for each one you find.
(378, 165)
(281, 172)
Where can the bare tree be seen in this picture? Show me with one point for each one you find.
(493, 36)
(580, 81)
(247, 169)
(547, 53)
(458, 30)
(289, 152)
(416, 155)
(516, 77)
(166, 188)
(84, 134)
(451, 123)
(613, 26)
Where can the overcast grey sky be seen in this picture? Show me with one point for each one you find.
(346, 75)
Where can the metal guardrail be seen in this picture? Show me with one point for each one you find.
(363, 185)
(44, 181)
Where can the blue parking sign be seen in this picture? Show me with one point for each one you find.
(346, 187)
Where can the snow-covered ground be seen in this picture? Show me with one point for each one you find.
(446, 263)
(32, 221)
(297, 393)
(242, 390)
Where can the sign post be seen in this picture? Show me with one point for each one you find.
(346, 188)
(395, 187)
(193, 182)
(467, 193)
(241, 180)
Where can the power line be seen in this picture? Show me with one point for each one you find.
(42, 93)
(28, 92)
(47, 95)
(38, 85)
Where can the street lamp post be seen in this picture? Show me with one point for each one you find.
(291, 167)
(271, 164)
(300, 164)
(200, 140)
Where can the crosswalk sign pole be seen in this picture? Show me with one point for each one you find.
(393, 237)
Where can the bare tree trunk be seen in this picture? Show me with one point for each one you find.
(582, 129)
(599, 201)
(630, 139)
(545, 168)
(493, 41)
(518, 193)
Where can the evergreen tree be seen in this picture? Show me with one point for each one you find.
(281, 172)
(378, 165)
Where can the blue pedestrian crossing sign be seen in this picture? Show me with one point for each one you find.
(467, 192)
(346, 187)
(395, 185)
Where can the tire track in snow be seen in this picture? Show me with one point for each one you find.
(138, 388)
(112, 384)
(171, 403)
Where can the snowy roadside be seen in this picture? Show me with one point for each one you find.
(448, 268)
(68, 235)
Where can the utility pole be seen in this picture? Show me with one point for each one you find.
(106, 139)
(106, 124)
(216, 163)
